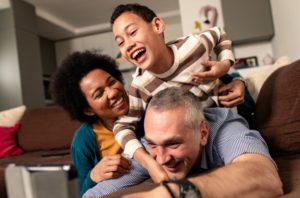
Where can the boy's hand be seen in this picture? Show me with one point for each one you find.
(232, 94)
(110, 167)
(213, 70)
(155, 170)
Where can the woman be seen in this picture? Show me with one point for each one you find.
(89, 87)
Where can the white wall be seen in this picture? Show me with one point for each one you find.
(287, 29)
(105, 42)
(285, 18)
(189, 10)
(10, 81)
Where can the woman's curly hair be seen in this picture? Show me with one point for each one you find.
(65, 89)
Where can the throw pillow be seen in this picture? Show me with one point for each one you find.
(8, 145)
(11, 116)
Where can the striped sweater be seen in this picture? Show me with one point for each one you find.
(188, 53)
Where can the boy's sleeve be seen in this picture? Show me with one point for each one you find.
(220, 43)
(125, 127)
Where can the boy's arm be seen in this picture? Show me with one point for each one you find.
(216, 39)
(124, 131)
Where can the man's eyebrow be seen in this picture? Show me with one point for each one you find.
(171, 140)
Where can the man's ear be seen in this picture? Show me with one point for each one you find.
(158, 25)
(203, 133)
(88, 111)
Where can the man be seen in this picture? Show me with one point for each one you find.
(183, 142)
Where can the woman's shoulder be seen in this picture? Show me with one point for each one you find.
(83, 134)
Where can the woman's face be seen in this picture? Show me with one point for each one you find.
(105, 95)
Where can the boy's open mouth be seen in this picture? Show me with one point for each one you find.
(138, 53)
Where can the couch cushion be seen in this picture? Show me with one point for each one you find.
(277, 114)
(46, 128)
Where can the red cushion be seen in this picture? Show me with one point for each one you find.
(8, 144)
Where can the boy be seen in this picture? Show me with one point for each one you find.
(183, 63)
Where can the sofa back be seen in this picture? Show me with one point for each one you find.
(277, 114)
(46, 128)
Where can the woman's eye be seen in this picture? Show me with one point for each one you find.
(99, 94)
(112, 82)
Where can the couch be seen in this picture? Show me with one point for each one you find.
(45, 137)
(275, 89)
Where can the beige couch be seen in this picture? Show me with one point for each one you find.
(277, 116)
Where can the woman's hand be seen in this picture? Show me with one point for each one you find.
(110, 167)
(232, 94)
(155, 170)
(213, 70)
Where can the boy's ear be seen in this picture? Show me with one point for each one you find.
(158, 25)
(88, 111)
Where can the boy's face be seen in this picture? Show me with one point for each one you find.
(140, 43)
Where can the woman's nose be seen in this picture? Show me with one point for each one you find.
(111, 92)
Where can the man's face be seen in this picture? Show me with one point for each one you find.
(139, 42)
(176, 147)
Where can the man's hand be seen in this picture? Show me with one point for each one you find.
(232, 94)
(110, 167)
(155, 170)
(213, 70)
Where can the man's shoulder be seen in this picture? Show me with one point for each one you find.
(214, 114)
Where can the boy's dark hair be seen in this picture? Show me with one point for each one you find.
(144, 12)
(65, 88)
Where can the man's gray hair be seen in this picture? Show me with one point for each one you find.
(171, 98)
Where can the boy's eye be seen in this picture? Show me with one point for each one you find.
(132, 33)
(120, 43)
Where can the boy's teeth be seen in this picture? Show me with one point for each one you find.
(134, 55)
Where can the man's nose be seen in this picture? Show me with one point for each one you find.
(162, 156)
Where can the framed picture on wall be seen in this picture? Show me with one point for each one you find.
(246, 62)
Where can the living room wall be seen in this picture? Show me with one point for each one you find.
(20, 58)
(286, 38)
